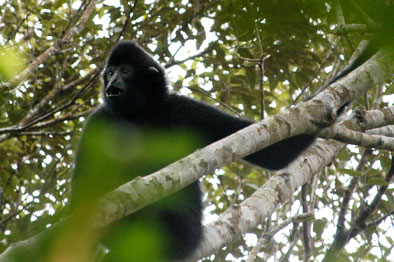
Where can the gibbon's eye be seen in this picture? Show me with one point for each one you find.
(110, 73)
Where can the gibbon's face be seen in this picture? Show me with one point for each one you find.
(133, 80)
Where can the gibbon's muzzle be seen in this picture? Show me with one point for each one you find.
(113, 91)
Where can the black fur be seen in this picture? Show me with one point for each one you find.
(145, 103)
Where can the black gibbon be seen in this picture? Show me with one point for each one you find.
(136, 97)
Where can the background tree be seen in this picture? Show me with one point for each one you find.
(252, 58)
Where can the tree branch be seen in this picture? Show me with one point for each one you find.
(55, 48)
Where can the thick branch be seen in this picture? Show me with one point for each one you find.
(352, 132)
(362, 139)
(379, 117)
(239, 220)
(376, 70)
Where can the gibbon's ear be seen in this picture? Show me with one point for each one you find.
(153, 69)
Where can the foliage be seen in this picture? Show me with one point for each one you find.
(214, 51)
